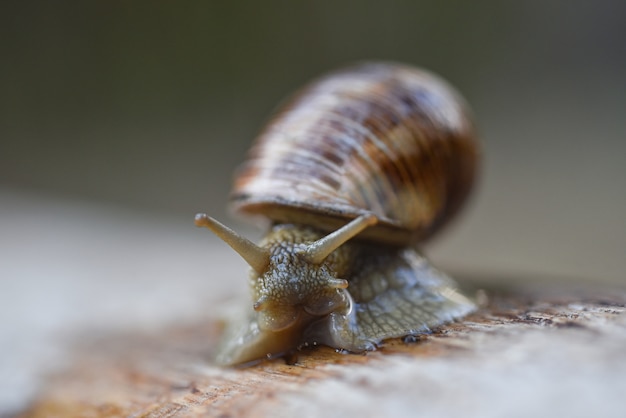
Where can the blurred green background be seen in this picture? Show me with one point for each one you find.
(151, 106)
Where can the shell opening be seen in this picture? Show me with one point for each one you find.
(258, 258)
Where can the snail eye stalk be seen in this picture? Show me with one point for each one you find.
(258, 258)
(317, 252)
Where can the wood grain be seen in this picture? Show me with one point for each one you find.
(525, 352)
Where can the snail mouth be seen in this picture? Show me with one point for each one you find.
(279, 318)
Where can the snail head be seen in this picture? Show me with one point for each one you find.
(292, 279)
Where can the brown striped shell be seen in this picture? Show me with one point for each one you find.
(376, 138)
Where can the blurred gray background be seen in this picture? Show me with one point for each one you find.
(120, 120)
(152, 106)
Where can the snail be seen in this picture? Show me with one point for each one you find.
(354, 173)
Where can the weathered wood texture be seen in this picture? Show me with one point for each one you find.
(69, 268)
(546, 353)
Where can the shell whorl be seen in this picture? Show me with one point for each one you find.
(378, 138)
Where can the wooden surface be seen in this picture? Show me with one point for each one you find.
(110, 312)
(525, 353)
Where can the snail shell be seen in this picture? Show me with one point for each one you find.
(383, 153)
(377, 138)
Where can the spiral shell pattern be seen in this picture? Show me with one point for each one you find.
(378, 138)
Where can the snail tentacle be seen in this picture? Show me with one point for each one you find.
(260, 304)
(317, 252)
(337, 283)
(257, 257)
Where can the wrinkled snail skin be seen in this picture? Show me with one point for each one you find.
(354, 172)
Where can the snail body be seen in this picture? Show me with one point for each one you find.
(382, 153)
